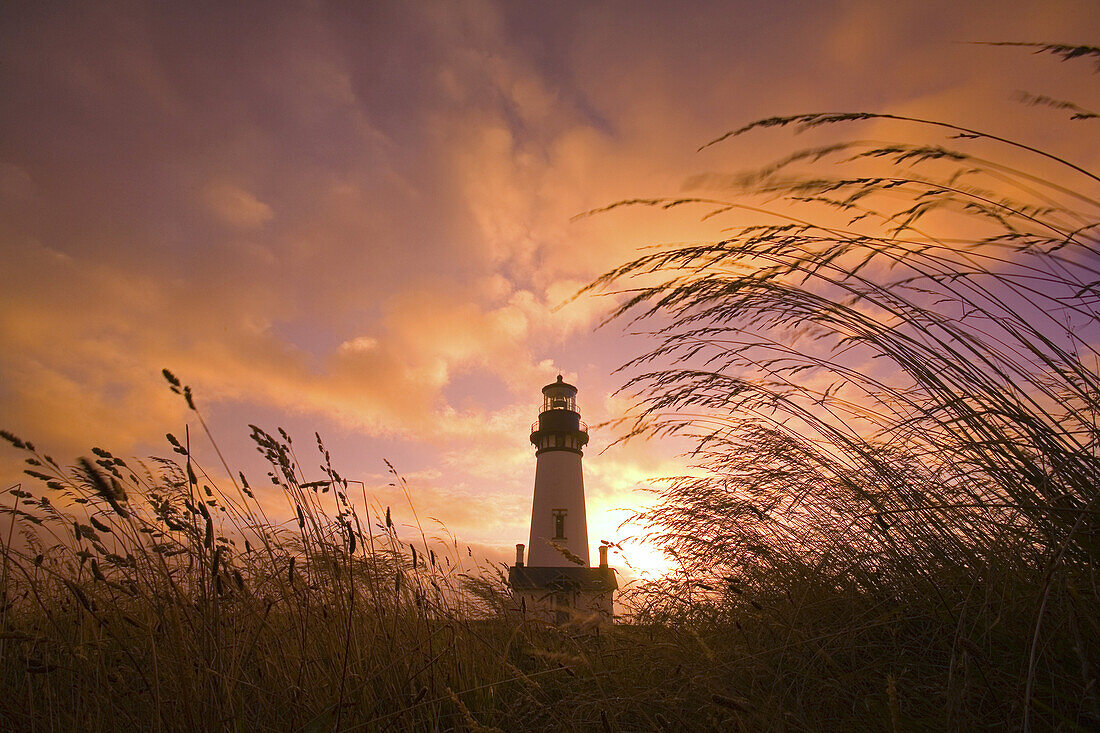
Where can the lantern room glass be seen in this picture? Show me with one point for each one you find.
(559, 401)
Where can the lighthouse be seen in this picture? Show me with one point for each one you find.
(557, 584)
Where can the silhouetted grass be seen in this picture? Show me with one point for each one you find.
(891, 375)
(159, 596)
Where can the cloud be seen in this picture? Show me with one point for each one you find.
(235, 206)
(359, 344)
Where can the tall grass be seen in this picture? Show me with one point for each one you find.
(160, 596)
(888, 362)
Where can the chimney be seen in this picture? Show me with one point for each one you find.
(603, 556)
(519, 556)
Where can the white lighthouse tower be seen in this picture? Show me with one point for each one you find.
(558, 520)
(557, 583)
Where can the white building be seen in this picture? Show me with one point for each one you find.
(557, 584)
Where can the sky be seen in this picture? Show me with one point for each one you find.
(360, 219)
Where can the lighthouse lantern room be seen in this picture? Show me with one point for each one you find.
(557, 583)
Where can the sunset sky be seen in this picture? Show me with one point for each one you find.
(357, 218)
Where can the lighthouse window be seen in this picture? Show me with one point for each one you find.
(559, 402)
(559, 524)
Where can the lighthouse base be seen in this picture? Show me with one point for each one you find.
(564, 595)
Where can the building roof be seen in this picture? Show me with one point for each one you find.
(562, 578)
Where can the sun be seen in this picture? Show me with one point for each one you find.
(642, 560)
(630, 554)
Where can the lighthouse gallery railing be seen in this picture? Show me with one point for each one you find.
(535, 426)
